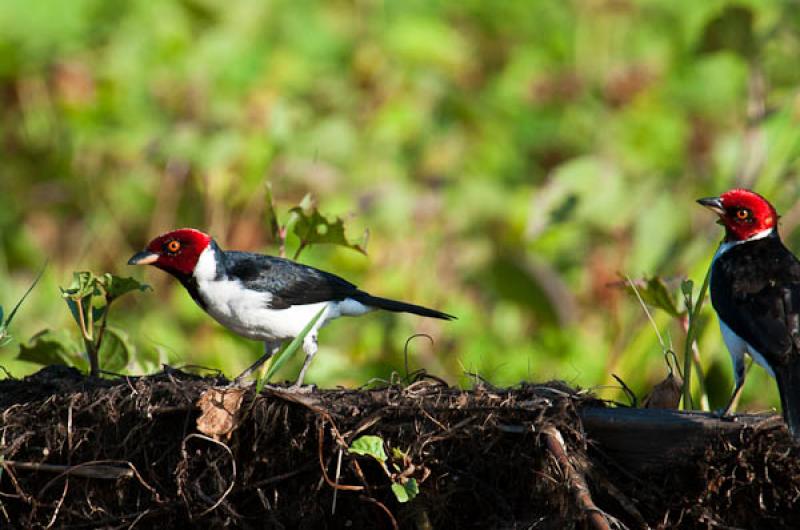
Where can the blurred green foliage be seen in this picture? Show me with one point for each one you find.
(510, 160)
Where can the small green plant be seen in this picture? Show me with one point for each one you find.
(690, 348)
(5, 336)
(310, 226)
(654, 292)
(404, 487)
(89, 299)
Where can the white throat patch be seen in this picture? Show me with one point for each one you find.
(727, 245)
(206, 267)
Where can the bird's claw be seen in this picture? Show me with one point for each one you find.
(300, 389)
(723, 414)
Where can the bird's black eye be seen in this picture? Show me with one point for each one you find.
(743, 214)
(173, 246)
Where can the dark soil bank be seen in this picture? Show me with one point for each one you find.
(121, 453)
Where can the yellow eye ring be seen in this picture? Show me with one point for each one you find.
(174, 246)
(742, 214)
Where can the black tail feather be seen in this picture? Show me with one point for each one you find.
(399, 307)
(788, 377)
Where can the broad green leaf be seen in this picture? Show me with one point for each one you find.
(369, 445)
(115, 351)
(654, 292)
(313, 228)
(116, 286)
(405, 492)
(50, 347)
(283, 356)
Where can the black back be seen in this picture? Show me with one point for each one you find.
(288, 282)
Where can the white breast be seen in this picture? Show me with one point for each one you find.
(738, 346)
(247, 312)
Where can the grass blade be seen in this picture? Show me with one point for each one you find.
(24, 296)
(286, 354)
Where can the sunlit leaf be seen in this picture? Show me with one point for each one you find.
(369, 445)
(84, 284)
(404, 492)
(313, 228)
(116, 286)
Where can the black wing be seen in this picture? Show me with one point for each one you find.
(288, 282)
(755, 289)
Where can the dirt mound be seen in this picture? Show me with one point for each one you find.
(81, 452)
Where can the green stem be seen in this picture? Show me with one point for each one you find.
(693, 313)
(88, 342)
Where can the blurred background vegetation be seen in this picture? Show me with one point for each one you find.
(510, 160)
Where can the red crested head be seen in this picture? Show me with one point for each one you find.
(175, 252)
(744, 214)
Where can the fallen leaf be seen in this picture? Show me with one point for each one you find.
(219, 412)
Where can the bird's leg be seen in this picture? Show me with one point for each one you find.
(271, 347)
(739, 370)
(734, 399)
(310, 348)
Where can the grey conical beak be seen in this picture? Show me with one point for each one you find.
(714, 204)
(144, 257)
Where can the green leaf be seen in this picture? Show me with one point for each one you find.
(115, 351)
(405, 492)
(84, 284)
(283, 356)
(313, 228)
(116, 286)
(4, 324)
(369, 445)
(654, 292)
(50, 347)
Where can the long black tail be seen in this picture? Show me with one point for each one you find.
(399, 307)
(788, 377)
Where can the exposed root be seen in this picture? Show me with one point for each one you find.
(126, 453)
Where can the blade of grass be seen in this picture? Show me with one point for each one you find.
(24, 296)
(647, 312)
(286, 354)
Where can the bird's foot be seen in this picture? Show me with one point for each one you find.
(300, 389)
(723, 413)
(240, 382)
